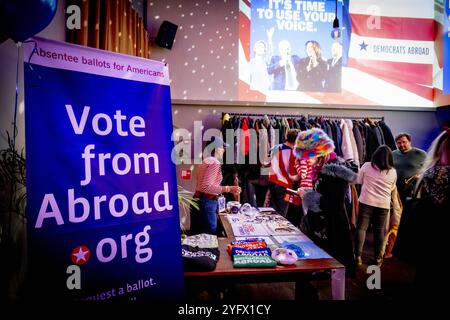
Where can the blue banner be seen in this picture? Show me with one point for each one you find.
(446, 64)
(102, 202)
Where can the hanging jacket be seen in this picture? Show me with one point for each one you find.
(379, 134)
(346, 146)
(245, 137)
(388, 137)
(352, 140)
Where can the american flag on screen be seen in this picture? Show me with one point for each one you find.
(388, 55)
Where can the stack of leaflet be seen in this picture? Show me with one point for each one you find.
(251, 253)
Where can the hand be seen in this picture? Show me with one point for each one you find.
(301, 192)
(235, 189)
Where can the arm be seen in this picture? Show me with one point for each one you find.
(269, 52)
(361, 173)
(274, 65)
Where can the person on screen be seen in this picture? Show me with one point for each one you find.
(283, 68)
(312, 69)
(334, 68)
(259, 77)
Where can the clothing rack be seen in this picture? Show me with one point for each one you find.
(300, 115)
(263, 114)
(344, 117)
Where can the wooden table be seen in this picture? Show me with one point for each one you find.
(225, 273)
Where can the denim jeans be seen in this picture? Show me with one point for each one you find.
(205, 221)
(378, 217)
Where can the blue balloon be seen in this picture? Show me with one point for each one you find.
(22, 19)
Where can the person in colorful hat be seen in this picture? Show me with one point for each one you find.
(313, 148)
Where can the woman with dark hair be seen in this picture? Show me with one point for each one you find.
(378, 179)
(312, 69)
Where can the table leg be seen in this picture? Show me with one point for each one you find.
(338, 284)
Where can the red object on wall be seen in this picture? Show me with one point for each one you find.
(186, 174)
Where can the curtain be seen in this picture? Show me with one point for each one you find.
(112, 25)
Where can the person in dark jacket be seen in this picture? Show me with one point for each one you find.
(327, 222)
